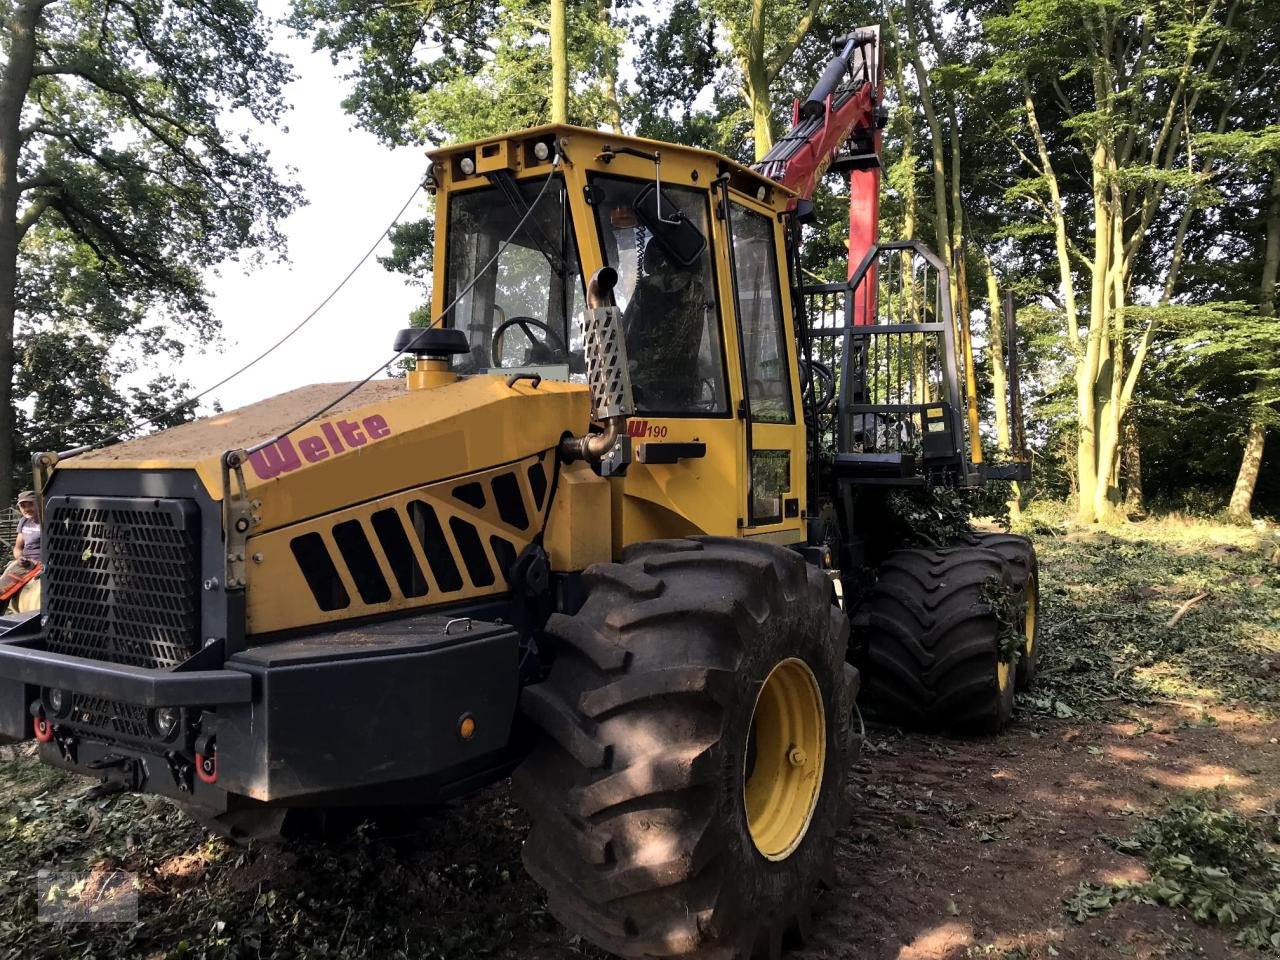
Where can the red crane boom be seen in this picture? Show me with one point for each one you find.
(837, 127)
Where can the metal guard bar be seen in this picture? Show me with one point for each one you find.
(26, 661)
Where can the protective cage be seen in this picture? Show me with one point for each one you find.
(122, 579)
(890, 342)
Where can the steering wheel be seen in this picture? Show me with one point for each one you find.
(553, 344)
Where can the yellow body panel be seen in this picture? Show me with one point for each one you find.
(465, 516)
(576, 536)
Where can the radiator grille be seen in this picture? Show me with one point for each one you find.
(125, 720)
(122, 579)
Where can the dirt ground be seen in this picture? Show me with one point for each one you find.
(968, 849)
(955, 849)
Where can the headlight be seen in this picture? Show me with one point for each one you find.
(166, 721)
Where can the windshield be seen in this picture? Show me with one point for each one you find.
(518, 313)
(668, 309)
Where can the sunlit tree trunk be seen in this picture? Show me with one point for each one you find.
(1251, 461)
(609, 69)
(559, 64)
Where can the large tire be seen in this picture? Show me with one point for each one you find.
(1020, 554)
(933, 626)
(637, 788)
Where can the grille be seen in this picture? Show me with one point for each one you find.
(125, 720)
(121, 580)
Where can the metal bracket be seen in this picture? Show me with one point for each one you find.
(239, 517)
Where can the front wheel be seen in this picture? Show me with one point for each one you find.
(689, 782)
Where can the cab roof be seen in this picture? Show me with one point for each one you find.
(597, 139)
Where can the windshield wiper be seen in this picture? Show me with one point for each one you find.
(511, 190)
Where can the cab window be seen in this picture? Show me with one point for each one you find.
(522, 310)
(669, 309)
(755, 264)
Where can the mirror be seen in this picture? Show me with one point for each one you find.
(679, 238)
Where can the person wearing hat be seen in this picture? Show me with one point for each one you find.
(25, 569)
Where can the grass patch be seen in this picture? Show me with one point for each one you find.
(1109, 631)
(1221, 867)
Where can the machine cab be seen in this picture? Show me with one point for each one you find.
(697, 244)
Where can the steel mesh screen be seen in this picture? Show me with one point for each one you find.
(126, 720)
(122, 579)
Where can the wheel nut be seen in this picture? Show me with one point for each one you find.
(797, 757)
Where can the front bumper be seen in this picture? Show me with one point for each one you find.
(295, 720)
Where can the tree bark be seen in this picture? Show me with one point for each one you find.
(1131, 468)
(559, 64)
(1247, 478)
(1251, 461)
(14, 84)
(609, 70)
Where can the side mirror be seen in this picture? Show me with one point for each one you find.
(679, 238)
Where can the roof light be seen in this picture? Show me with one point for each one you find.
(467, 166)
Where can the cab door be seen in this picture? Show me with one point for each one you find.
(772, 437)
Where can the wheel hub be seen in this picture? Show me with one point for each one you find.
(787, 746)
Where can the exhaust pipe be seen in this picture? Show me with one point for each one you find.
(608, 378)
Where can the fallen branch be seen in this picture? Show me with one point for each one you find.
(1182, 610)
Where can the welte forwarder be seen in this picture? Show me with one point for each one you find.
(610, 536)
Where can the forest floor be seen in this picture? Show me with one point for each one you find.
(1130, 811)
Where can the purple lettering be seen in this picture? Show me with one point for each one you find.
(351, 433)
(331, 435)
(274, 460)
(376, 427)
(313, 449)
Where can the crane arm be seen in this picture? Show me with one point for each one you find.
(843, 106)
(838, 127)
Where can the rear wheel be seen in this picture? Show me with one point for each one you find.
(1020, 554)
(940, 641)
(688, 785)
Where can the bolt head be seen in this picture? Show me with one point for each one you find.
(797, 757)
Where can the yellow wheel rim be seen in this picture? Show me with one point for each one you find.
(786, 752)
(1002, 675)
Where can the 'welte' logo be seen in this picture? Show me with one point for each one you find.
(333, 439)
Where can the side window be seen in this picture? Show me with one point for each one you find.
(669, 310)
(755, 262)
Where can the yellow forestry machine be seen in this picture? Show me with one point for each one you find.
(610, 536)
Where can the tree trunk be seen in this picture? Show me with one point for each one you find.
(14, 83)
(559, 65)
(609, 70)
(761, 107)
(1131, 468)
(1247, 478)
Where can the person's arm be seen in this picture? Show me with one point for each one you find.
(17, 548)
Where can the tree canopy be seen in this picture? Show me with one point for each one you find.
(127, 170)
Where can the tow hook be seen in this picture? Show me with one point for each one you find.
(207, 759)
(42, 728)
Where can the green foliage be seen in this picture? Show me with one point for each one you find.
(1107, 644)
(136, 178)
(433, 72)
(1220, 867)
